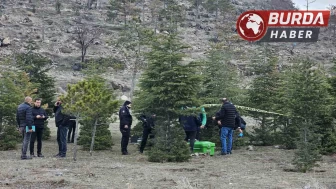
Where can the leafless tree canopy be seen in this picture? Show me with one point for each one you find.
(85, 37)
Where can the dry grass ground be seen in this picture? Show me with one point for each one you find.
(261, 168)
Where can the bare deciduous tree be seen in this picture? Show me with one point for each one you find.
(85, 37)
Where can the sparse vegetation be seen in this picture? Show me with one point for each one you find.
(216, 63)
(58, 6)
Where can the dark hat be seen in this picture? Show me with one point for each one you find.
(127, 103)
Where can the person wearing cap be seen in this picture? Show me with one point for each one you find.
(148, 123)
(125, 125)
(226, 119)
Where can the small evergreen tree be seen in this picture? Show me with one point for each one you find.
(308, 152)
(167, 85)
(263, 95)
(307, 98)
(37, 67)
(91, 102)
(13, 88)
(101, 105)
(220, 79)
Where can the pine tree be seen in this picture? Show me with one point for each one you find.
(91, 102)
(328, 130)
(220, 79)
(13, 88)
(167, 85)
(262, 95)
(171, 16)
(37, 67)
(126, 8)
(307, 99)
(131, 41)
(95, 133)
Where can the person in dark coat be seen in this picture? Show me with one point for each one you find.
(40, 115)
(71, 132)
(226, 119)
(62, 123)
(190, 125)
(148, 126)
(24, 118)
(125, 125)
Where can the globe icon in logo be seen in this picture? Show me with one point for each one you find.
(251, 26)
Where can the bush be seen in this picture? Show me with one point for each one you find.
(46, 133)
(9, 138)
(308, 154)
(175, 150)
(239, 142)
(103, 138)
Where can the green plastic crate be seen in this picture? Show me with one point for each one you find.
(205, 147)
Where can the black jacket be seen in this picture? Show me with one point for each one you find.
(125, 117)
(237, 121)
(62, 119)
(147, 122)
(190, 123)
(227, 115)
(24, 116)
(39, 123)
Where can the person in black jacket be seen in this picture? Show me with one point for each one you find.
(62, 123)
(125, 125)
(71, 132)
(40, 115)
(24, 118)
(226, 119)
(190, 124)
(148, 126)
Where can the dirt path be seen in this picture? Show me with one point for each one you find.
(262, 168)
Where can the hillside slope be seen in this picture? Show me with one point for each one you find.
(21, 22)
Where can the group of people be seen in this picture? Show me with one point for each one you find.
(227, 119)
(31, 117)
(31, 121)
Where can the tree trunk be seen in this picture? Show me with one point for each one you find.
(134, 74)
(197, 11)
(89, 3)
(143, 11)
(76, 136)
(1, 120)
(93, 135)
(83, 53)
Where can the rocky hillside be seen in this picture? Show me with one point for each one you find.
(22, 21)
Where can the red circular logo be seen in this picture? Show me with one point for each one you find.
(251, 26)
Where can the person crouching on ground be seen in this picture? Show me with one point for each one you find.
(125, 125)
(40, 115)
(148, 127)
(190, 124)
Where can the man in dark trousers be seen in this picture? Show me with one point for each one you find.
(40, 116)
(71, 132)
(148, 126)
(125, 125)
(190, 124)
(24, 118)
(226, 119)
(62, 123)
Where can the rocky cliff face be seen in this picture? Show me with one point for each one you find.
(21, 22)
